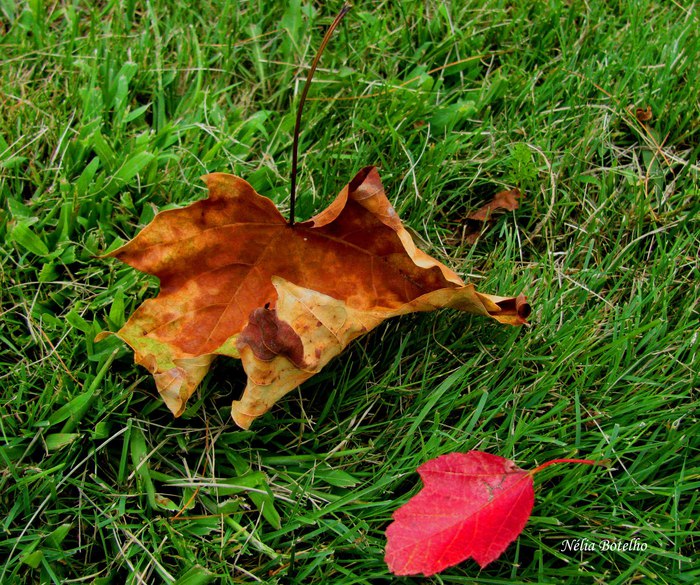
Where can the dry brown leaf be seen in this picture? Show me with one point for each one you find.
(474, 223)
(507, 200)
(643, 115)
(237, 280)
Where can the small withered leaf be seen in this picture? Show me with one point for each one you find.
(644, 114)
(506, 200)
(268, 337)
(480, 220)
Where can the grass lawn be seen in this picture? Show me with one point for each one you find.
(111, 111)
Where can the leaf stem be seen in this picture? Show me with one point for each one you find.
(295, 146)
(554, 461)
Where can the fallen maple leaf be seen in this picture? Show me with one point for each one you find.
(472, 504)
(237, 280)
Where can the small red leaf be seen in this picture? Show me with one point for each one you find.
(472, 505)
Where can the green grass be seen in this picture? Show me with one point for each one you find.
(111, 111)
